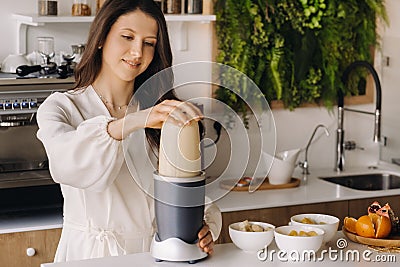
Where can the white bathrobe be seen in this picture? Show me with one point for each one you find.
(106, 184)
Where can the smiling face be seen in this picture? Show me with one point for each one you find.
(130, 45)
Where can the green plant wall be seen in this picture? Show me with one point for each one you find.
(295, 50)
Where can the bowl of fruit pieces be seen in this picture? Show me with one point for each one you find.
(298, 238)
(251, 236)
(326, 222)
(378, 227)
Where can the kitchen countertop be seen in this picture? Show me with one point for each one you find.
(228, 255)
(314, 190)
(32, 221)
(11, 79)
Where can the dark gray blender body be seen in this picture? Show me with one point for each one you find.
(179, 210)
(183, 198)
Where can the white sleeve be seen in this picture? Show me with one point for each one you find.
(84, 156)
(213, 218)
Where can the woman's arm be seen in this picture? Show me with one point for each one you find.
(80, 152)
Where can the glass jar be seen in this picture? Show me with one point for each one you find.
(194, 6)
(174, 6)
(47, 7)
(81, 8)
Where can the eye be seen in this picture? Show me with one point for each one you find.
(127, 37)
(149, 44)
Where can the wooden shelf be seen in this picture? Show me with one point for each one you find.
(32, 19)
(25, 20)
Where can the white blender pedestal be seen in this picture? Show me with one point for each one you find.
(174, 249)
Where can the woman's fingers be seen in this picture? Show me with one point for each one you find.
(206, 242)
(203, 231)
(184, 111)
(178, 112)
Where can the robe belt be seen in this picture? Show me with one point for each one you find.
(104, 237)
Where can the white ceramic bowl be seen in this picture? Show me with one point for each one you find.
(251, 241)
(298, 243)
(328, 223)
(11, 62)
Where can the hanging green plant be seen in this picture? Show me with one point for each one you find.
(295, 50)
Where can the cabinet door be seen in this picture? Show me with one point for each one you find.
(14, 246)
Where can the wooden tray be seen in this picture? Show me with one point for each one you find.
(390, 242)
(230, 184)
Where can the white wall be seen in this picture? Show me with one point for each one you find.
(293, 128)
(390, 83)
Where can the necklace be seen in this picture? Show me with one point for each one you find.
(109, 103)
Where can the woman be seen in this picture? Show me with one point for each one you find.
(106, 209)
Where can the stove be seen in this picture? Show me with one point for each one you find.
(25, 180)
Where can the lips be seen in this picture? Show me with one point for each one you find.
(132, 63)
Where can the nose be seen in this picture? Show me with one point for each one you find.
(136, 49)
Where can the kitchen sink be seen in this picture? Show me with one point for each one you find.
(367, 182)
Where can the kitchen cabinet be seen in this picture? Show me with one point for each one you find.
(281, 215)
(28, 249)
(25, 20)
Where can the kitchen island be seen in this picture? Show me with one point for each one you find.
(338, 252)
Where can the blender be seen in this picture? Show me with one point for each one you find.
(179, 190)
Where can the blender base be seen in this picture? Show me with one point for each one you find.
(174, 249)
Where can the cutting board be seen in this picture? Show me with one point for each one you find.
(230, 185)
(390, 242)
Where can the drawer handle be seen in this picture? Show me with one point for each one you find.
(30, 252)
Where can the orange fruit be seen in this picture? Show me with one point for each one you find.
(350, 224)
(383, 226)
(365, 226)
(373, 226)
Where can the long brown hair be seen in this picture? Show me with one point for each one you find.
(90, 64)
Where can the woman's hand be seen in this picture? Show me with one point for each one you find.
(206, 242)
(172, 110)
(175, 111)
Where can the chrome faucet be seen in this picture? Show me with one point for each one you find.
(340, 131)
(304, 164)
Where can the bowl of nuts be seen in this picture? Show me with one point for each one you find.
(326, 222)
(251, 236)
(298, 238)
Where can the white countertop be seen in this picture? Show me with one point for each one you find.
(228, 255)
(314, 190)
(10, 79)
(30, 222)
